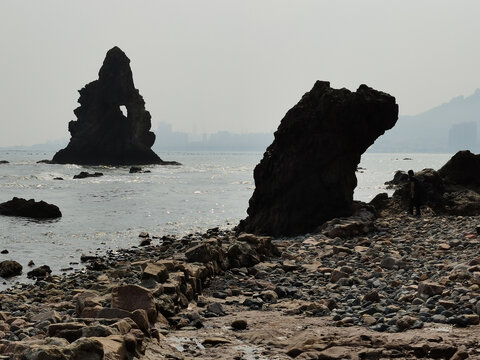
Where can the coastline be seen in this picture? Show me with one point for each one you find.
(409, 276)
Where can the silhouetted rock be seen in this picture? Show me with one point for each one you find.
(85, 174)
(4, 162)
(400, 177)
(45, 161)
(29, 208)
(102, 134)
(307, 175)
(9, 268)
(462, 169)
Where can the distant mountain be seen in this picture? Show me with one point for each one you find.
(50, 145)
(449, 127)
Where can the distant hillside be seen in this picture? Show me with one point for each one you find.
(449, 127)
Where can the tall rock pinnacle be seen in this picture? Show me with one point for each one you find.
(102, 134)
(307, 175)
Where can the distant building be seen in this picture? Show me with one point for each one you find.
(166, 139)
(220, 141)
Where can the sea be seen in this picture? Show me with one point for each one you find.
(209, 189)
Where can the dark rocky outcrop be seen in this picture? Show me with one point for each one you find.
(84, 175)
(29, 208)
(307, 175)
(452, 190)
(102, 134)
(4, 162)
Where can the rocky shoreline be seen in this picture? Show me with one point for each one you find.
(406, 287)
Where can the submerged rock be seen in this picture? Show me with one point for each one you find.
(29, 208)
(4, 162)
(103, 134)
(84, 175)
(307, 175)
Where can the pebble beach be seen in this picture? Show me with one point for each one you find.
(409, 287)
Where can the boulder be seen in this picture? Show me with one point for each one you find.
(307, 175)
(203, 253)
(40, 272)
(427, 289)
(9, 268)
(103, 134)
(29, 208)
(4, 162)
(133, 297)
(361, 222)
(158, 272)
(400, 177)
(462, 169)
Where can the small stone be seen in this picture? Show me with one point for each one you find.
(428, 289)
(239, 324)
(443, 247)
(372, 296)
(337, 275)
(369, 320)
(405, 322)
(4, 251)
(215, 341)
(269, 296)
(472, 319)
(216, 308)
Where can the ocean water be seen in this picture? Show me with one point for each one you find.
(210, 189)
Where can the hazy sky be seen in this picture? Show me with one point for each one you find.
(239, 65)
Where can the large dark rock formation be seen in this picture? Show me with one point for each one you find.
(462, 169)
(452, 190)
(307, 175)
(102, 134)
(29, 208)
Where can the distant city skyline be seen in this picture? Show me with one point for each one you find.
(235, 66)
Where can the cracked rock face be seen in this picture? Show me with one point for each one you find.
(307, 175)
(112, 126)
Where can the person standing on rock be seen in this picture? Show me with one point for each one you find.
(415, 193)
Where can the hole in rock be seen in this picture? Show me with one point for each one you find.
(124, 110)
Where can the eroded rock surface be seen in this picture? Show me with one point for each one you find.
(112, 126)
(307, 175)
